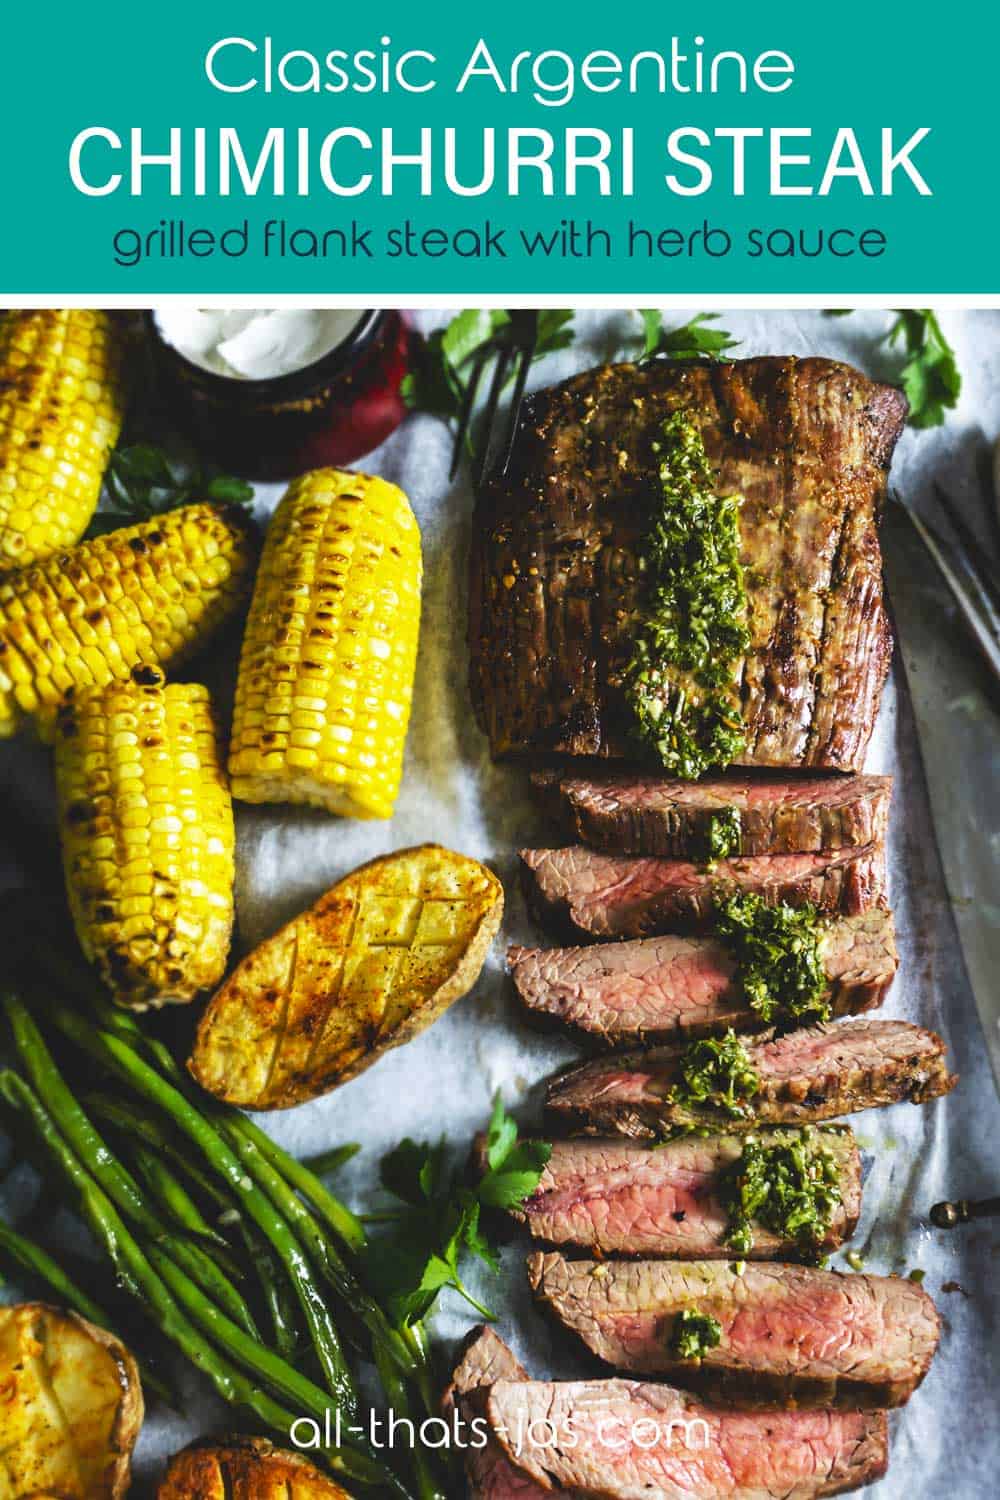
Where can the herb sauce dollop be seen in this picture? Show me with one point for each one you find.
(779, 956)
(723, 835)
(680, 681)
(790, 1187)
(717, 1072)
(694, 1332)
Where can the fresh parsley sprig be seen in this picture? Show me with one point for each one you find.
(441, 363)
(441, 1220)
(693, 340)
(141, 483)
(930, 377)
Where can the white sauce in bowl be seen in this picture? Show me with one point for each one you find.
(255, 345)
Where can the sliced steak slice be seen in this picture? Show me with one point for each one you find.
(616, 1197)
(620, 895)
(635, 812)
(555, 587)
(483, 1359)
(791, 1335)
(626, 1440)
(658, 989)
(813, 1074)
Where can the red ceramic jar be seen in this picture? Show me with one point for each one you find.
(331, 412)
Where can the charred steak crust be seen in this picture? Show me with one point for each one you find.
(662, 988)
(615, 1197)
(791, 1335)
(483, 1358)
(625, 1439)
(627, 896)
(805, 1076)
(554, 580)
(632, 812)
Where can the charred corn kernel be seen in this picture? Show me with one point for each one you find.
(149, 593)
(146, 823)
(60, 415)
(326, 672)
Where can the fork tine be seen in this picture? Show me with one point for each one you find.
(976, 611)
(492, 403)
(465, 416)
(525, 357)
(969, 546)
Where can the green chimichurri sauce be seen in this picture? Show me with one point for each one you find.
(680, 680)
(717, 1071)
(790, 1187)
(779, 956)
(694, 1332)
(723, 835)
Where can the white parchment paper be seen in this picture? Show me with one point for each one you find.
(947, 1440)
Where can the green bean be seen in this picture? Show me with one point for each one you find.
(40, 1264)
(117, 1054)
(275, 1290)
(282, 1378)
(119, 1185)
(165, 1188)
(348, 1228)
(131, 1124)
(425, 1480)
(323, 1253)
(325, 1163)
(137, 1275)
(31, 1257)
(334, 1214)
(272, 1280)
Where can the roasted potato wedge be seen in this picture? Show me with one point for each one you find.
(374, 962)
(244, 1468)
(70, 1406)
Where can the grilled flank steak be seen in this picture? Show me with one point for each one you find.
(556, 588)
(661, 988)
(617, 895)
(636, 812)
(622, 1439)
(482, 1359)
(619, 1197)
(808, 1075)
(791, 1335)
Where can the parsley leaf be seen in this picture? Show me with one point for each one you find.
(442, 1220)
(693, 340)
(555, 331)
(141, 483)
(930, 377)
(433, 385)
(437, 383)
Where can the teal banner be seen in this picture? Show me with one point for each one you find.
(556, 150)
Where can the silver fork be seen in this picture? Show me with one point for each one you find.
(974, 592)
(515, 346)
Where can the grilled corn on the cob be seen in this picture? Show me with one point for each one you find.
(147, 832)
(60, 415)
(326, 673)
(148, 593)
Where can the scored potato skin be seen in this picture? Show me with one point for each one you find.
(102, 1404)
(374, 962)
(244, 1468)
